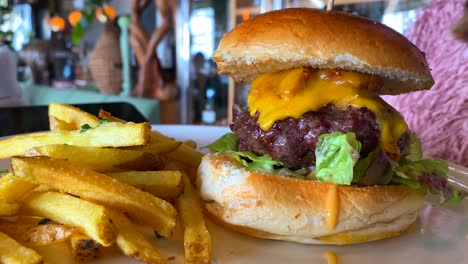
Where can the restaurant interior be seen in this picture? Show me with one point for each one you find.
(153, 60)
(143, 151)
(96, 51)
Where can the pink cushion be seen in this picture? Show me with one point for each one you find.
(440, 116)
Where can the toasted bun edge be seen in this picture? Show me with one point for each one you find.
(276, 207)
(297, 37)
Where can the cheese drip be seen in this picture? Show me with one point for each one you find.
(292, 93)
(330, 257)
(332, 207)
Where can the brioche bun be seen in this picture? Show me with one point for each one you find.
(291, 38)
(277, 207)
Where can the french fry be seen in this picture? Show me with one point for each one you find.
(187, 155)
(56, 124)
(105, 135)
(90, 218)
(184, 153)
(74, 158)
(83, 248)
(157, 136)
(13, 189)
(33, 220)
(175, 165)
(132, 242)
(9, 209)
(70, 117)
(13, 252)
(43, 188)
(190, 143)
(192, 172)
(100, 159)
(158, 147)
(183, 168)
(103, 114)
(99, 188)
(163, 184)
(197, 239)
(160, 143)
(35, 234)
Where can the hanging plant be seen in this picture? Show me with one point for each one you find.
(6, 35)
(82, 20)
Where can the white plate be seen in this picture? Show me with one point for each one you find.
(439, 236)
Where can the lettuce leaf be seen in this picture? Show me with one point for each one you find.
(265, 164)
(337, 161)
(336, 155)
(407, 181)
(228, 142)
(431, 173)
(258, 163)
(361, 166)
(414, 148)
(416, 173)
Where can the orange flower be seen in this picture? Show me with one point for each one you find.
(245, 15)
(105, 12)
(57, 23)
(74, 17)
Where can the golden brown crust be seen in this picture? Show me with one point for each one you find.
(292, 38)
(385, 230)
(276, 207)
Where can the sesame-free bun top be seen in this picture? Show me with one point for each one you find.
(291, 38)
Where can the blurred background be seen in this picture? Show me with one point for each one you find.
(154, 54)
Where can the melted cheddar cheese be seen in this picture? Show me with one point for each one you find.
(330, 257)
(292, 93)
(332, 207)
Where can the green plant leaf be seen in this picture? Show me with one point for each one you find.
(77, 33)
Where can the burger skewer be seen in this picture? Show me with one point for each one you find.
(330, 4)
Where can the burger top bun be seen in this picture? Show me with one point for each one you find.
(291, 38)
(282, 208)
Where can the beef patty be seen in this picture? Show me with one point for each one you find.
(293, 141)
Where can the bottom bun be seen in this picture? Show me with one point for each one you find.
(283, 208)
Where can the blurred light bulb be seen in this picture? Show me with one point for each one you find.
(105, 12)
(74, 17)
(57, 24)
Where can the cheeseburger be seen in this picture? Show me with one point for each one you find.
(316, 156)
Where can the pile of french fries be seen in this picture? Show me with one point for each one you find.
(89, 182)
